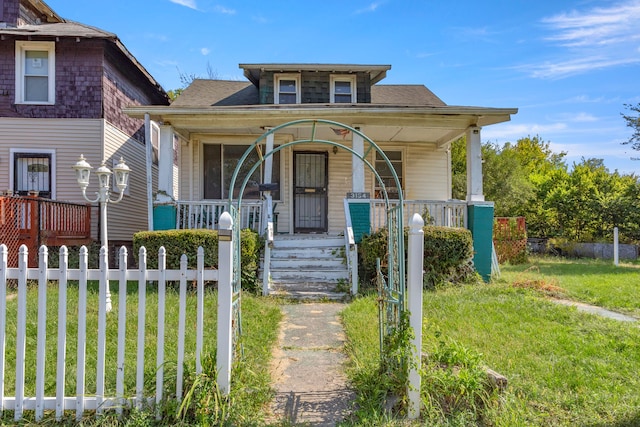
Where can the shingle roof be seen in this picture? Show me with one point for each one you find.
(59, 29)
(201, 93)
(400, 95)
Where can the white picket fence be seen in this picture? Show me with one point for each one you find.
(95, 399)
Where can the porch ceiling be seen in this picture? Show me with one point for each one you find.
(438, 125)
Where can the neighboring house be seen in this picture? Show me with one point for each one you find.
(217, 120)
(62, 88)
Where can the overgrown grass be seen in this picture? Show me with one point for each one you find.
(564, 367)
(250, 380)
(597, 282)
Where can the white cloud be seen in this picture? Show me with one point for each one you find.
(600, 26)
(594, 39)
(187, 3)
(372, 7)
(205, 51)
(221, 9)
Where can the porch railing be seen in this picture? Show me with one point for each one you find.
(206, 213)
(34, 221)
(451, 213)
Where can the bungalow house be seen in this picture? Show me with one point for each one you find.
(320, 120)
(62, 88)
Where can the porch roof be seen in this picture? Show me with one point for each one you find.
(438, 125)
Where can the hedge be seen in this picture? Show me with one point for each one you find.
(448, 255)
(178, 242)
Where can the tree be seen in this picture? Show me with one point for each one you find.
(633, 121)
(187, 79)
(504, 179)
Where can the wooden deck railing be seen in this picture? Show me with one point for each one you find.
(34, 222)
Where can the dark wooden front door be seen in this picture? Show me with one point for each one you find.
(310, 176)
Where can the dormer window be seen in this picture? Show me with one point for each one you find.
(343, 89)
(35, 71)
(287, 90)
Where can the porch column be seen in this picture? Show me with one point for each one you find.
(165, 161)
(357, 166)
(268, 162)
(474, 165)
(266, 180)
(479, 212)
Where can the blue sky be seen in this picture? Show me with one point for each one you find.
(569, 66)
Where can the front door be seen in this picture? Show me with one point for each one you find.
(310, 176)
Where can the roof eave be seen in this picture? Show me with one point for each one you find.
(271, 110)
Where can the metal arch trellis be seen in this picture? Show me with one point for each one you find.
(236, 312)
(392, 292)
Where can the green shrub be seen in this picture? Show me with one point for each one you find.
(178, 242)
(448, 255)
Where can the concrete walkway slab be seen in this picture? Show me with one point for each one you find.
(595, 310)
(308, 366)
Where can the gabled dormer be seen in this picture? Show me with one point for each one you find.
(314, 83)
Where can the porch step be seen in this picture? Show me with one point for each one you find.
(309, 267)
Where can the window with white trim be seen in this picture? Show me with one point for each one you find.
(220, 161)
(32, 171)
(287, 89)
(386, 174)
(343, 89)
(35, 72)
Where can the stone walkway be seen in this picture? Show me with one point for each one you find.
(308, 366)
(595, 310)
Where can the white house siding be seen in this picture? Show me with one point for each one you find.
(131, 214)
(68, 137)
(425, 177)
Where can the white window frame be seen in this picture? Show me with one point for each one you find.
(276, 89)
(52, 153)
(376, 185)
(261, 169)
(22, 47)
(342, 78)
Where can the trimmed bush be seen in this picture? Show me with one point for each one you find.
(178, 242)
(448, 255)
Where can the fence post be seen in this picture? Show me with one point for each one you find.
(225, 294)
(615, 246)
(415, 264)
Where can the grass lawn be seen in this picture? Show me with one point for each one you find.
(564, 367)
(251, 389)
(597, 282)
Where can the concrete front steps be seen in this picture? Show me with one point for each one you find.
(309, 267)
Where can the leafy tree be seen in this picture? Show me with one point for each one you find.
(504, 179)
(633, 121)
